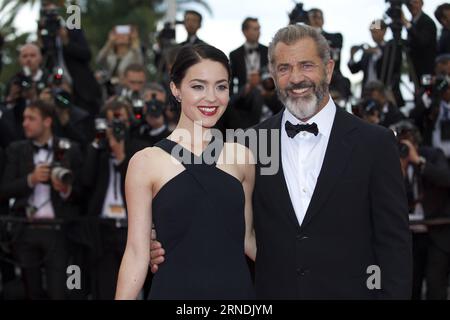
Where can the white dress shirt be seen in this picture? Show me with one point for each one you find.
(302, 157)
(252, 60)
(41, 196)
(114, 206)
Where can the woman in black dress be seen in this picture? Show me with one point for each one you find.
(196, 190)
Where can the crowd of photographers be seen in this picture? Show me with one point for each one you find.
(67, 133)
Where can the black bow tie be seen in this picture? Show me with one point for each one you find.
(293, 130)
(251, 50)
(37, 148)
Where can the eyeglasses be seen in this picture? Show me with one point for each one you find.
(304, 67)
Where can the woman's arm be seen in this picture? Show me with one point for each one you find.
(138, 190)
(248, 184)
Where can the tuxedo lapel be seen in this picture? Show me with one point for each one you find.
(336, 159)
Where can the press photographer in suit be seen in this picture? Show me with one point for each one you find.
(41, 174)
(427, 180)
(104, 177)
(376, 61)
(192, 23)
(442, 14)
(422, 39)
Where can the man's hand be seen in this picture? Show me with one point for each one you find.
(41, 174)
(59, 186)
(156, 252)
(413, 156)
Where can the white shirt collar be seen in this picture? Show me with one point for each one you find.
(249, 45)
(324, 119)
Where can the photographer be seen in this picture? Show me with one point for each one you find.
(41, 173)
(71, 122)
(155, 127)
(422, 39)
(255, 102)
(24, 87)
(104, 178)
(442, 15)
(388, 111)
(427, 180)
(375, 61)
(432, 111)
(122, 49)
(68, 49)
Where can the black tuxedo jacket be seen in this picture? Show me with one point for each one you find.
(381, 66)
(358, 217)
(19, 163)
(422, 42)
(436, 199)
(95, 177)
(238, 64)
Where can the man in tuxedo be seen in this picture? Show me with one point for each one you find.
(427, 180)
(192, 23)
(336, 207)
(375, 62)
(251, 57)
(422, 40)
(71, 53)
(442, 14)
(104, 178)
(45, 197)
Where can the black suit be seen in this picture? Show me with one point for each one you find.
(382, 68)
(40, 246)
(107, 239)
(77, 56)
(239, 65)
(436, 204)
(422, 45)
(444, 42)
(357, 217)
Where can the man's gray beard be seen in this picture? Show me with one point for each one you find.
(305, 108)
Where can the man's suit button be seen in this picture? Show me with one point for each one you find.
(302, 272)
(302, 238)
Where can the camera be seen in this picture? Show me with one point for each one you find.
(61, 98)
(298, 15)
(57, 169)
(136, 101)
(267, 81)
(405, 130)
(155, 108)
(435, 86)
(118, 127)
(50, 23)
(395, 13)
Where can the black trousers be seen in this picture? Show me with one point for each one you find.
(42, 254)
(438, 270)
(420, 256)
(107, 264)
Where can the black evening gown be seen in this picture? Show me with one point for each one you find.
(199, 219)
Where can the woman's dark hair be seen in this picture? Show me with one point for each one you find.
(190, 55)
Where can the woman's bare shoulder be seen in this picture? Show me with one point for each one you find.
(145, 159)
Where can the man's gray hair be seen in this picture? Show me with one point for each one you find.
(293, 33)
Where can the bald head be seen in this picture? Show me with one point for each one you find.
(30, 56)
